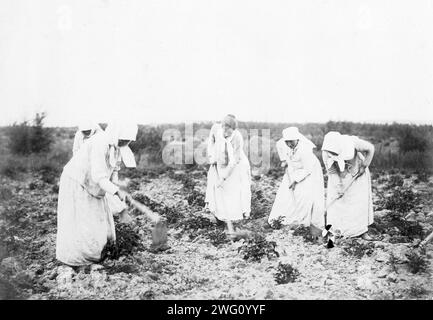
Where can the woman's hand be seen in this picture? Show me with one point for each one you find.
(361, 170)
(121, 194)
(293, 185)
(283, 164)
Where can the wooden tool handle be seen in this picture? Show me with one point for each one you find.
(144, 209)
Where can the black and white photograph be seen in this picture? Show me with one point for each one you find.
(216, 151)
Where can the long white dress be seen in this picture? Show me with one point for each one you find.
(305, 204)
(233, 200)
(353, 213)
(84, 218)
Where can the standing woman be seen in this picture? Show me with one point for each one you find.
(300, 198)
(84, 218)
(232, 191)
(216, 157)
(347, 159)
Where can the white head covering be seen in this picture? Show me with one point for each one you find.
(122, 131)
(292, 133)
(87, 124)
(342, 145)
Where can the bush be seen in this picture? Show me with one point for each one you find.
(257, 248)
(402, 201)
(25, 139)
(417, 291)
(260, 205)
(286, 273)
(417, 262)
(127, 241)
(304, 232)
(354, 247)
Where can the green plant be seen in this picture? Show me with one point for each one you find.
(196, 198)
(257, 247)
(358, 249)
(260, 205)
(402, 201)
(277, 223)
(127, 241)
(417, 262)
(304, 232)
(286, 273)
(417, 291)
(217, 237)
(393, 261)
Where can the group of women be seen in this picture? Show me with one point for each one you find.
(89, 194)
(300, 199)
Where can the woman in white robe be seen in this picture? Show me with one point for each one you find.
(300, 198)
(216, 156)
(230, 197)
(349, 195)
(84, 218)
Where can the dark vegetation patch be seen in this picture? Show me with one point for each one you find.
(257, 247)
(305, 233)
(286, 273)
(128, 241)
(357, 248)
(417, 262)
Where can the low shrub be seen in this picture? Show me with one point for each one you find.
(286, 273)
(257, 247)
(417, 262)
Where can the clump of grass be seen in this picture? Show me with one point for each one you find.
(260, 205)
(286, 273)
(402, 200)
(257, 247)
(196, 198)
(217, 237)
(395, 181)
(393, 261)
(417, 262)
(303, 232)
(357, 249)
(277, 223)
(417, 291)
(127, 242)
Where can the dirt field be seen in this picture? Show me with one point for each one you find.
(203, 264)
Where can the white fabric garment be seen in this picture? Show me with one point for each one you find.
(79, 138)
(84, 224)
(305, 204)
(353, 213)
(87, 201)
(231, 201)
(216, 154)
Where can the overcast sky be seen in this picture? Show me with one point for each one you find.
(185, 60)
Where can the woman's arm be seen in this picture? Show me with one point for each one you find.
(367, 149)
(99, 171)
(234, 156)
(307, 162)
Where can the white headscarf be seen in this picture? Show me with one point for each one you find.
(292, 133)
(342, 145)
(122, 131)
(87, 124)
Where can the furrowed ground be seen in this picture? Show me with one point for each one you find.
(273, 263)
